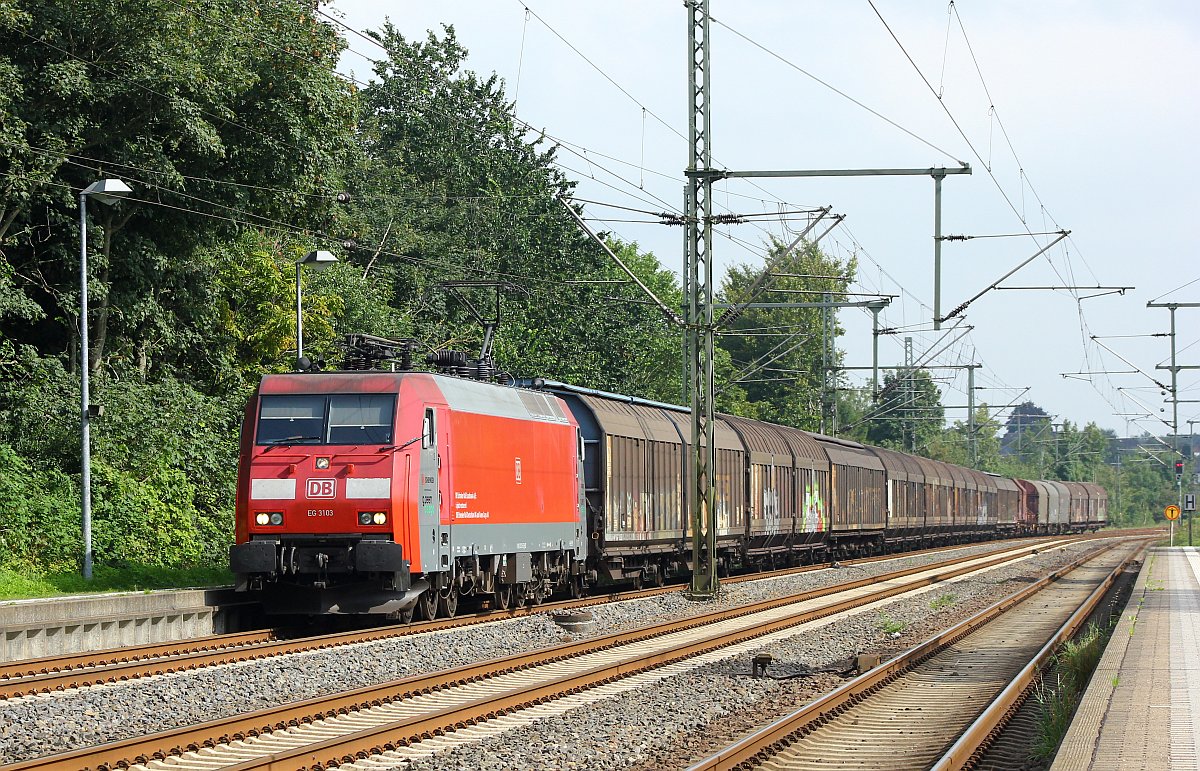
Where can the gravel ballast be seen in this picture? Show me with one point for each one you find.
(36, 726)
(688, 716)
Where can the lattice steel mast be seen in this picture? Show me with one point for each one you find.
(698, 275)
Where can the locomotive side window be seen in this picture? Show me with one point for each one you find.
(299, 419)
(326, 419)
(361, 418)
(427, 430)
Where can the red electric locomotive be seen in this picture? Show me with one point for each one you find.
(389, 492)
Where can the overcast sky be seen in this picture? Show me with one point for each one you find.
(1086, 114)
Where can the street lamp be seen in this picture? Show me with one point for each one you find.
(318, 260)
(106, 191)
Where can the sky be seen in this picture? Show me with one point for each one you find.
(1073, 115)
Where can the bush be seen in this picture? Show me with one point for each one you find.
(164, 470)
(40, 524)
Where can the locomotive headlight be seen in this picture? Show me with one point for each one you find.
(276, 517)
(262, 518)
(380, 518)
(372, 517)
(269, 518)
(364, 517)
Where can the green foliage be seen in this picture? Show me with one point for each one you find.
(1056, 705)
(1074, 663)
(1027, 425)
(40, 522)
(889, 625)
(777, 355)
(478, 202)
(130, 578)
(909, 416)
(943, 601)
(230, 124)
(153, 520)
(220, 111)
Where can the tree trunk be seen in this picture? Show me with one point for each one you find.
(99, 335)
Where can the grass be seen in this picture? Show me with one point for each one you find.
(19, 585)
(1181, 533)
(1057, 707)
(890, 625)
(944, 601)
(1075, 661)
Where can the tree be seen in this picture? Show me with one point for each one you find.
(231, 125)
(956, 445)
(909, 415)
(778, 354)
(215, 113)
(451, 188)
(1027, 425)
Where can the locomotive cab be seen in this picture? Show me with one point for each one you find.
(320, 494)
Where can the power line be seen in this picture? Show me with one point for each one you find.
(835, 90)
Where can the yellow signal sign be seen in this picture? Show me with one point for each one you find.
(1172, 512)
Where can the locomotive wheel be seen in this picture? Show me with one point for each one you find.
(503, 597)
(448, 604)
(427, 605)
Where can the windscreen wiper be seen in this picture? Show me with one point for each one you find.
(291, 440)
(414, 440)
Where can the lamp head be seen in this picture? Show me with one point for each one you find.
(318, 260)
(107, 190)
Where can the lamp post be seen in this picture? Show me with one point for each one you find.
(106, 191)
(318, 260)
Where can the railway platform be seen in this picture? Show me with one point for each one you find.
(1142, 707)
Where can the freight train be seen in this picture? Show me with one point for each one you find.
(398, 492)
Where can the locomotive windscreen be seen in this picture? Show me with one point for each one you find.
(326, 419)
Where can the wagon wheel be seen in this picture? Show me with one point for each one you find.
(503, 597)
(660, 576)
(448, 604)
(532, 590)
(575, 587)
(427, 605)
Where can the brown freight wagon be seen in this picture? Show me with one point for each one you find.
(1028, 506)
(1008, 504)
(906, 499)
(856, 502)
(787, 488)
(1098, 508)
(1079, 515)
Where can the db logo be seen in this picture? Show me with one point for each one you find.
(321, 488)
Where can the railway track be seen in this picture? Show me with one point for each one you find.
(938, 705)
(78, 670)
(341, 728)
